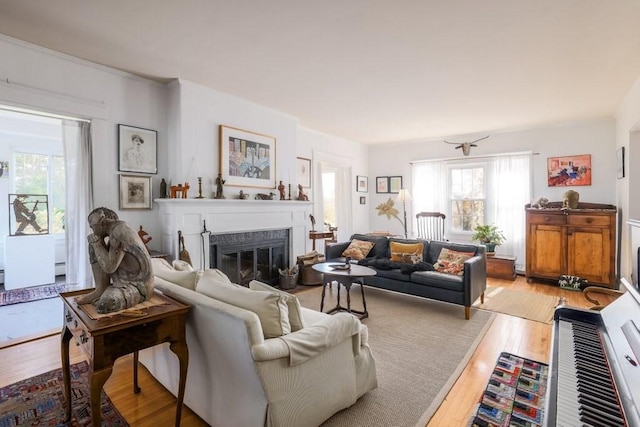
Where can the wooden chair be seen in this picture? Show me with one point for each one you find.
(431, 225)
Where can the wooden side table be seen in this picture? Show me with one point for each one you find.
(501, 267)
(319, 235)
(107, 338)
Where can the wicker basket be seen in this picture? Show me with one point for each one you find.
(288, 281)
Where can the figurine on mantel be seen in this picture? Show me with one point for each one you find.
(219, 190)
(242, 195)
(121, 265)
(301, 195)
(281, 190)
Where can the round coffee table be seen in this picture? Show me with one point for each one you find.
(346, 277)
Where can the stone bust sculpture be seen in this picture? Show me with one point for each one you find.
(120, 264)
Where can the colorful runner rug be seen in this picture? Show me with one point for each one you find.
(34, 293)
(40, 401)
(515, 395)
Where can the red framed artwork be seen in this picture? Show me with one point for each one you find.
(569, 171)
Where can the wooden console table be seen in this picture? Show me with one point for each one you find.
(319, 235)
(107, 338)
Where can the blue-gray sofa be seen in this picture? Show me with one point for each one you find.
(462, 290)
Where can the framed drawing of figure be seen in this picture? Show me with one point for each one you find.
(137, 149)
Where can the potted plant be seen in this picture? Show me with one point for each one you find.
(488, 235)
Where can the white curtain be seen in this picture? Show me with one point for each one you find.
(76, 138)
(429, 189)
(512, 190)
(343, 202)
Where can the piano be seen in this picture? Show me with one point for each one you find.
(594, 369)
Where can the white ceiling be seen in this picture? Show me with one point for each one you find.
(370, 71)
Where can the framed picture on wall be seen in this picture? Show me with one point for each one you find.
(620, 162)
(137, 149)
(135, 192)
(303, 168)
(247, 159)
(382, 184)
(362, 184)
(395, 184)
(569, 171)
(363, 200)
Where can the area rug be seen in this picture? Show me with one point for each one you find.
(34, 293)
(515, 394)
(527, 305)
(420, 347)
(40, 401)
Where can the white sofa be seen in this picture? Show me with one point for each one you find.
(236, 377)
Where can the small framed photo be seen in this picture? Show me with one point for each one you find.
(135, 192)
(382, 184)
(137, 149)
(395, 184)
(362, 184)
(363, 200)
(303, 168)
(620, 162)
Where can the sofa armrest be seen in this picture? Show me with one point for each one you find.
(334, 250)
(310, 341)
(475, 278)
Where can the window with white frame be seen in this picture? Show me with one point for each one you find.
(467, 197)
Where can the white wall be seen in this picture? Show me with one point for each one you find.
(595, 137)
(628, 136)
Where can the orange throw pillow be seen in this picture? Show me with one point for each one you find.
(358, 249)
(410, 253)
(452, 262)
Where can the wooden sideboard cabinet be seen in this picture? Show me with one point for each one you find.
(579, 242)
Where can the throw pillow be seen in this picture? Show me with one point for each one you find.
(164, 270)
(410, 253)
(270, 307)
(452, 262)
(358, 249)
(293, 305)
(180, 265)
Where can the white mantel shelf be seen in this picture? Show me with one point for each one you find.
(227, 216)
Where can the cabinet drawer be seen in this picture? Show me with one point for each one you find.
(589, 220)
(548, 219)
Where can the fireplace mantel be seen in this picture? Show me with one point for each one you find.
(230, 215)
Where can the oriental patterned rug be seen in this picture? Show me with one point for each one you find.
(40, 401)
(34, 293)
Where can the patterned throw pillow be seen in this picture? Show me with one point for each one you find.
(411, 253)
(452, 262)
(358, 249)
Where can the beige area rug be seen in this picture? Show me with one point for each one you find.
(420, 348)
(527, 305)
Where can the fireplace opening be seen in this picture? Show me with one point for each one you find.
(250, 255)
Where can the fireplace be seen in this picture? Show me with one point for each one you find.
(250, 255)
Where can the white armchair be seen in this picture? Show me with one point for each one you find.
(236, 377)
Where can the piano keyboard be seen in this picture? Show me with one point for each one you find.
(586, 393)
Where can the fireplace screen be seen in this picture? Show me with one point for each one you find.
(251, 255)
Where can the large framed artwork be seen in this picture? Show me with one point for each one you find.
(137, 149)
(247, 159)
(135, 192)
(569, 171)
(303, 168)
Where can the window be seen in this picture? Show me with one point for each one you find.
(467, 195)
(43, 174)
(329, 197)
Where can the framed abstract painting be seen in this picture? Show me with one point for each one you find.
(247, 159)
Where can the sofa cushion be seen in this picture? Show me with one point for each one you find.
(452, 262)
(270, 307)
(181, 265)
(380, 248)
(293, 305)
(438, 280)
(394, 274)
(406, 252)
(358, 249)
(164, 270)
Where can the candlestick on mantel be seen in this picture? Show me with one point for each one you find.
(200, 188)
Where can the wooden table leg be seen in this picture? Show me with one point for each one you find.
(66, 374)
(136, 388)
(96, 381)
(182, 351)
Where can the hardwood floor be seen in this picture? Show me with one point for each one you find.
(156, 406)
